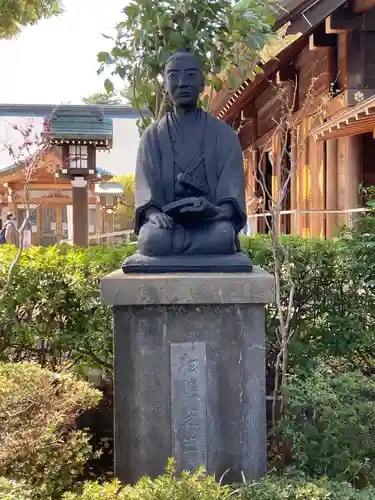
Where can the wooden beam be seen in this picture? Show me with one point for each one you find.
(341, 20)
(368, 21)
(45, 187)
(359, 6)
(319, 39)
(312, 16)
(248, 110)
(286, 73)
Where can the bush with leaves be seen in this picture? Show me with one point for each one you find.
(13, 490)
(333, 313)
(329, 421)
(53, 314)
(198, 486)
(296, 487)
(39, 444)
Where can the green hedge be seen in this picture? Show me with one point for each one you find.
(329, 422)
(52, 313)
(55, 297)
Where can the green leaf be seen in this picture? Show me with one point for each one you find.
(104, 57)
(121, 71)
(177, 40)
(204, 101)
(217, 83)
(131, 11)
(108, 85)
(189, 31)
(231, 81)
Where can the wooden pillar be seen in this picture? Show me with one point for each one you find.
(354, 170)
(277, 177)
(99, 220)
(316, 160)
(294, 182)
(348, 175)
(305, 178)
(80, 212)
(331, 186)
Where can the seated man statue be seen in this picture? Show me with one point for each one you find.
(189, 184)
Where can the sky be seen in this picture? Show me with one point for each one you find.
(54, 62)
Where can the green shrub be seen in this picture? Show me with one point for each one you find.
(333, 314)
(200, 487)
(298, 488)
(12, 490)
(39, 444)
(196, 486)
(330, 422)
(53, 314)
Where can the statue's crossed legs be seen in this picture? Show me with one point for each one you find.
(211, 238)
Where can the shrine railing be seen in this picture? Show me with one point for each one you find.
(345, 217)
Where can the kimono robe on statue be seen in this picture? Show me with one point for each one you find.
(209, 157)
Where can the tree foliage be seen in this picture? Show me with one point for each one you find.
(103, 98)
(16, 14)
(126, 206)
(223, 34)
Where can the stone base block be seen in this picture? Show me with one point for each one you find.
(237, 263)
(189, 372)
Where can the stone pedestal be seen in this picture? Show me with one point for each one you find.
(189, 372)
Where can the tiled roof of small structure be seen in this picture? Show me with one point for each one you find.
(109, 188)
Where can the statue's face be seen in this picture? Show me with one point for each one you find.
(183, 80)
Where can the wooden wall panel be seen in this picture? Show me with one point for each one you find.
(349, 174)
(268, 110)
(342, 60)
(313, 64)
(303, 177)
(294, 187)
(316, 198)
(331, 186)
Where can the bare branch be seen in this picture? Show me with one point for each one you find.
(284, 164)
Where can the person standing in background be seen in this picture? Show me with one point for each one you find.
(11, 233)
(253, 205)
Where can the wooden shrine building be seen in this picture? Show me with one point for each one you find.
(50, 197)
(330, 43)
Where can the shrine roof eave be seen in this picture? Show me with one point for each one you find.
(14, 172)
(295, 15)
(252, 89)
(359, 119)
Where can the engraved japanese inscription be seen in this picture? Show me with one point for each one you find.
(189, 404)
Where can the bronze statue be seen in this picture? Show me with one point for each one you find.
(189, 184)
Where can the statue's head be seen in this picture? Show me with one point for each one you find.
(183, 79)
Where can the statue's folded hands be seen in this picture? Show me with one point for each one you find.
(160, 220)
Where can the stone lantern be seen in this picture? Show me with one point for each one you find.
(108, 195)
(79, 131)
